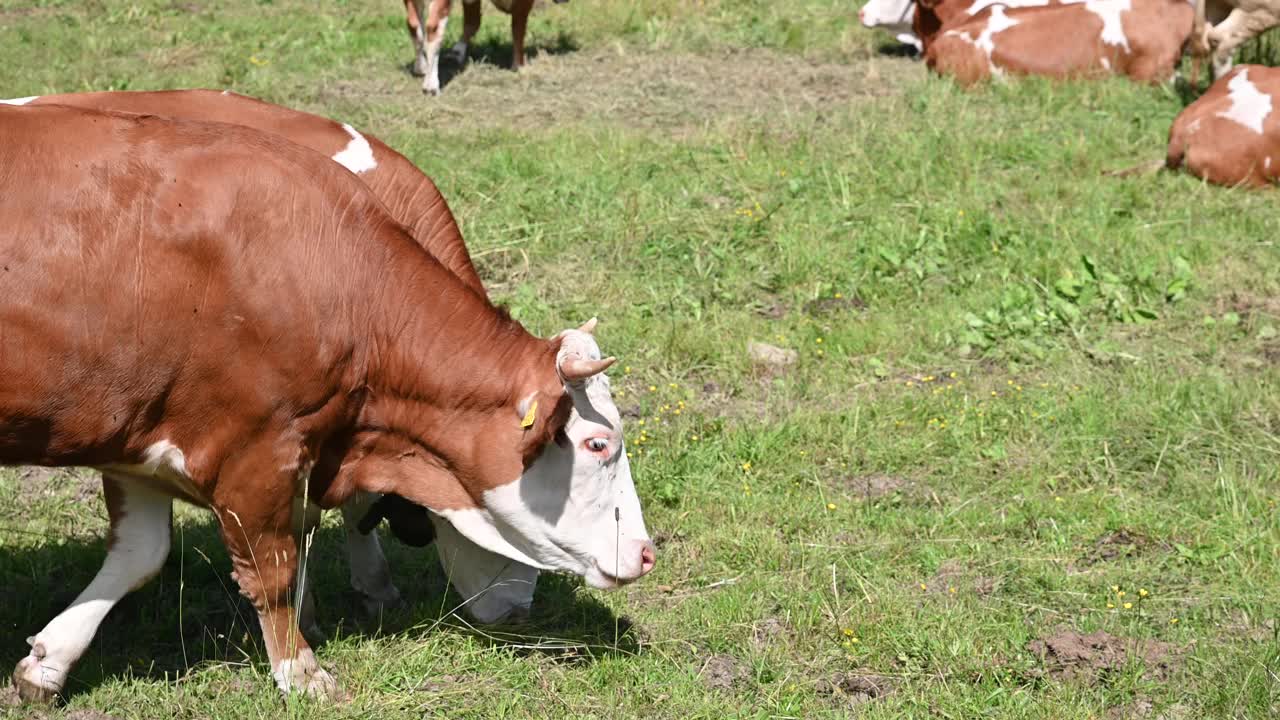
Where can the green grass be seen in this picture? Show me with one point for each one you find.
(1052, 381)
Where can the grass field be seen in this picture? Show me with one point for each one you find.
(1032, 401)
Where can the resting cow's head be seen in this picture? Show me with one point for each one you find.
(892, 15)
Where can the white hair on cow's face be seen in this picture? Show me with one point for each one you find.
(575, 507)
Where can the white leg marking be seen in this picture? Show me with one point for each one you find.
(19, 101)
(303, 673)
(357, 156)
(139, 551)
(370, 574)
(431, 79)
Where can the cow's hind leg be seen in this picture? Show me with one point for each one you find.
(136, 550)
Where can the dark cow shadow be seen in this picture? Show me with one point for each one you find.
(500, 53)
(192, 614)
(897, 49)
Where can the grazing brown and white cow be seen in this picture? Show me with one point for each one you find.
(1142, 39)
(1222, 26)
(1231, 134)
(429, 38)
(416, 202)
(212, 313)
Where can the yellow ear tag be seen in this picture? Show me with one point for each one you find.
(530, 416)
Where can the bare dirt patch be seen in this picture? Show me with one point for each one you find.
(1069, 655)
(722, 672)
(769, 631)
(1119, 545)
(953, 578)
(875, 485)
(643, 89)
(856, 688)
(833, 305)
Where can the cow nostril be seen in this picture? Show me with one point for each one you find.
(648, 558)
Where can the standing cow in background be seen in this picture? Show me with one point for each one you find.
(429, 37)
(1142, 39)
(1222, 26)
(495, 588)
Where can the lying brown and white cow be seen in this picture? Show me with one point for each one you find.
(917, 24)
(495, 587)
(1231, 134)
(212, 313)
(429, 38)
(1142, 39)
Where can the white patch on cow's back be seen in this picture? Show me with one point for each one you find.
(357, 156)
(997, 23)
(19, 101)
(1249, 105)
(1110, 11)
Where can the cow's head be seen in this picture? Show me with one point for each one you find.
(493, 588)
(541, 477)
(892, 15)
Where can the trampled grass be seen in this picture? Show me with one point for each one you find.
(1023, 386)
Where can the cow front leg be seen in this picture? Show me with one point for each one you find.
(470, 26)
(264, 560)
(370, 573)
(413, 20)
(437, 21)
(137, 546)
(519, 25)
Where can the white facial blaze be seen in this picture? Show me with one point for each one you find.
(893, 15)
(19, 101)
(357, 156)
(1110, 11)
(573, 509)
(1249, 105)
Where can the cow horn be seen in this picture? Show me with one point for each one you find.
(589, 326)
(574, 368)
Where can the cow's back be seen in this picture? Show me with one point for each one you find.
(411, 197)
(1231, 134)
(171, 280)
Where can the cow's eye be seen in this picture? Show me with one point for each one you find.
(597, 444)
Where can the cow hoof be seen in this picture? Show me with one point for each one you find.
(34, 683)
(300, 677)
